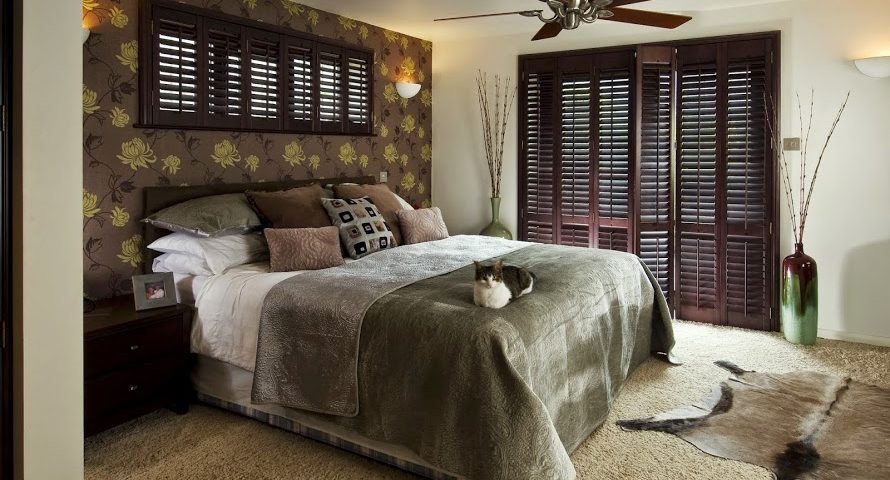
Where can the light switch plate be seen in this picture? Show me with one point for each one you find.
(791, 144)
(384, 176)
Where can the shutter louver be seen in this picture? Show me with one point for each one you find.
(614, 143)
(177, 55)
(264, 81)
(358, 97)
(612, 239)
(299, 86)
(538, 164)
(330, 90)
(747, 280)
(225, 97)
(697, 198)
(575, 160)
(655, 175)
(698, 145)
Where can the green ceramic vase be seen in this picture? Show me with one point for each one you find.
(800, 297)
(495, 229)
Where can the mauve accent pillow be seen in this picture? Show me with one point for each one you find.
(294, 208)
(423, 225)
(211, 216)
(292, 249)
(383, 199)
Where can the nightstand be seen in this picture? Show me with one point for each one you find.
(134, 362)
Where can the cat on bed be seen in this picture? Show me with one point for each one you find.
(497, 285)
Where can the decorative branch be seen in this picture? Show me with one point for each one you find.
(799, 208)
(494, 112)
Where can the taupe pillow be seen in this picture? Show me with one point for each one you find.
(294, 208)
(292, 249)
(423, 225)
(212, 216)
(383, 199)
(363, 229)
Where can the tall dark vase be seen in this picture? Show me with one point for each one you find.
(800, 297)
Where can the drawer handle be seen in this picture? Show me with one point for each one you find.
(133, 348)
(133, 388)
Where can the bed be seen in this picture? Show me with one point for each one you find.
(388, 357)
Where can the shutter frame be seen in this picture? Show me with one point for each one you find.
(359, 121)
(168, 20)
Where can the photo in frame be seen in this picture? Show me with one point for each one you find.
(154, 290)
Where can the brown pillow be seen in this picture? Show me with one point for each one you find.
(383, 199)
(295, 208)
(423, 225)
(292, 249)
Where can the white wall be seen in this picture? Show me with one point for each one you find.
(849, 228)
(48, 280)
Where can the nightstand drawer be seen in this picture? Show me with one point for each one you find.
(118, 350)
(134, 385)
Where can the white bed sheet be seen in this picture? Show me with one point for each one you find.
(228, 308)
(188, 286)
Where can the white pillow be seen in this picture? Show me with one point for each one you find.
(220, 253)
(181, 263)
(404, 203)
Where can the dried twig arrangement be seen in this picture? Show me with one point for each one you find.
(494, 107)
(800, 207)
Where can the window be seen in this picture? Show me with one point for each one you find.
(662, 151)
(206, 70)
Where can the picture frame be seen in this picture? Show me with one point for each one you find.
(154, 290)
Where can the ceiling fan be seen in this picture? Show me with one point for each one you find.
(569, 14)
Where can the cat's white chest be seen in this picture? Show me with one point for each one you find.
(495, 297)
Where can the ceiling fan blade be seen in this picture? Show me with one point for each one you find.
(621, 3)
(525, 13)
(643, 17)
(549, 30)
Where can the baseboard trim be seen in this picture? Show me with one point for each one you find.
(854, 337)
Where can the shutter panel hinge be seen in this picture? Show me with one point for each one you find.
(5, 120)
(770, 228)
(3, 326)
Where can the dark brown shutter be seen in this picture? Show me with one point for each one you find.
(330, 89)
(575, 152)
(176, 95)
(654, 179)
(614, 151)
(748, 174)
(358, 92)
(300, 81)
(537, 122)
(225, 74)
(697, 193)
(264, 80)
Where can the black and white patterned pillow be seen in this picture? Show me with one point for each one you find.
(362, 229)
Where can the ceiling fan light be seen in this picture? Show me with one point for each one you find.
(572, 20)
(604, 14)
(601, 3)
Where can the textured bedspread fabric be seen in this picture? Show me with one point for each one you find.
(307, 350)
(509, 393)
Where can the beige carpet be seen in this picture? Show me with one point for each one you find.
(212, 444)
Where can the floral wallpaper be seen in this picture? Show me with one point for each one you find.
(119, 160)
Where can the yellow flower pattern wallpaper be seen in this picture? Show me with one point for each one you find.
(119, 159)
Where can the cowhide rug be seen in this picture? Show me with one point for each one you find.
(800, 425)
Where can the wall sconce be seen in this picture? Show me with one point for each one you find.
(875, 67)
(407, 89)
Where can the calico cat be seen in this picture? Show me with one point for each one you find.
(497, 285)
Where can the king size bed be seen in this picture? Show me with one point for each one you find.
(388, 357)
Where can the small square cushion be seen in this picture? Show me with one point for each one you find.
(362, 229)
(211, 216)
(294, 208)
(423, 225)
(293, 249)
(383, 198)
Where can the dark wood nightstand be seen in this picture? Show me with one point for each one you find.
(134, 362)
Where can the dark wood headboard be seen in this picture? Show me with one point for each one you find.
(159, 198)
